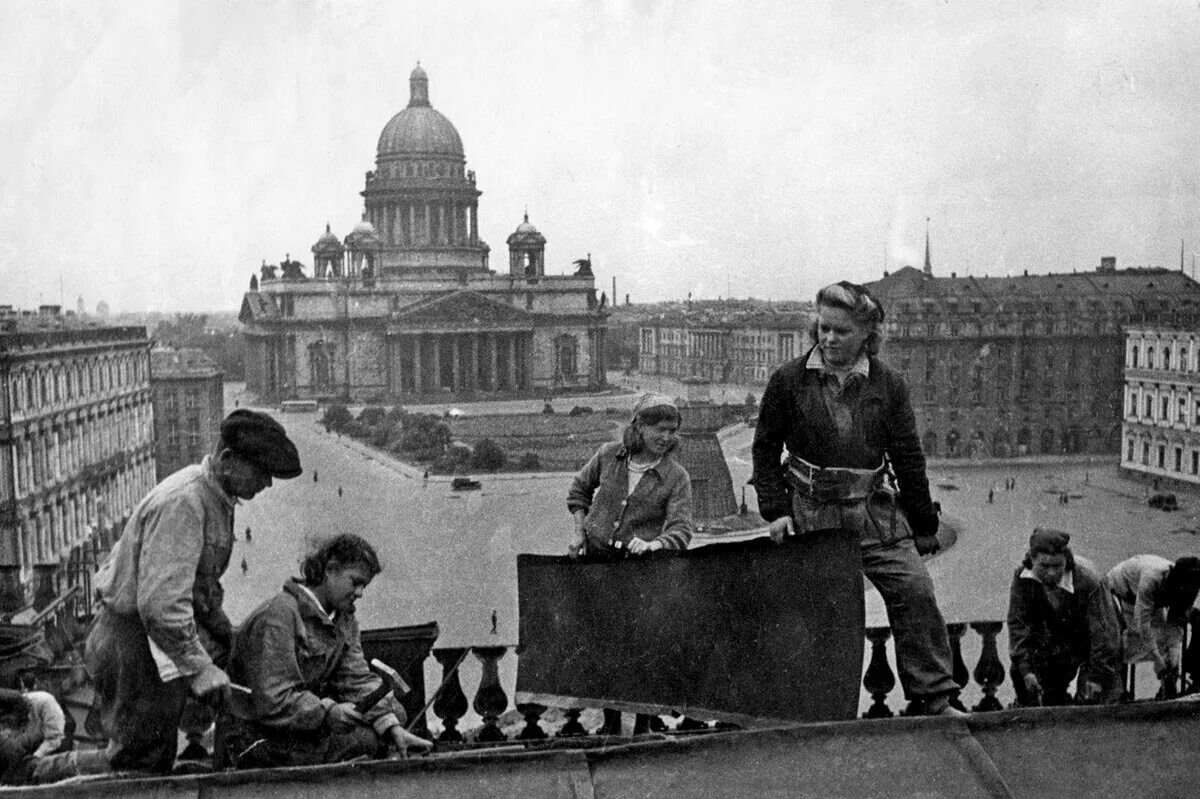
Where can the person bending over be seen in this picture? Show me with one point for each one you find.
(1061, 624)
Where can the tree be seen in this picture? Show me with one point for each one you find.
(488, 456)
(337, 417)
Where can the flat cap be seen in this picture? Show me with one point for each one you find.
(1048, 542)
(261, 440)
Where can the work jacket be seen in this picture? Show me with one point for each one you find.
(793, 413)
(298, 662)
(660, 507)
(1083, 631)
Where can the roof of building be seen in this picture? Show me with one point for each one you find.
(167, 363)
(419, 129)
(912, 283)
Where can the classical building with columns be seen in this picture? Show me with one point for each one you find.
(405, 308)
(1161, 431)
(76, 450)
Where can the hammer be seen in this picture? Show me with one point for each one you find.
(392, 683)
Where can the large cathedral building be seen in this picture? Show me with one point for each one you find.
(406, 308)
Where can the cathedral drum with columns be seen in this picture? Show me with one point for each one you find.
(405, 308)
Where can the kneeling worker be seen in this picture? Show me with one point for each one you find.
(300, 655)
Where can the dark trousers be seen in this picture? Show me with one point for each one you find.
(243, 744)
(923, 655)
(133, 707)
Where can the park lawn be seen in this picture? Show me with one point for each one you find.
(562, 443)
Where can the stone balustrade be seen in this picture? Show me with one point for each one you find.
(986, 687)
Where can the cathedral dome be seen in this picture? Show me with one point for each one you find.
(363, 236)
(419, 129)
(328, 243)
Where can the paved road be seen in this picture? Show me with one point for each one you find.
(450, 557)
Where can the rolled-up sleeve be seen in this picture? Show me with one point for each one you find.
(770, 434)
(172, 541)
(355, 680)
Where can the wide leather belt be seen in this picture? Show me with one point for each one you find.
(833, 484)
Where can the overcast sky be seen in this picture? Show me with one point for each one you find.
(153, 154)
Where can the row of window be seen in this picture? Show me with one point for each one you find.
(64, 524)
(41, 460)
(1163, 405)
(1160, 457)
(1169, 356)
(42, 386)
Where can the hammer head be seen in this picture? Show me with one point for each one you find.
(390, 676)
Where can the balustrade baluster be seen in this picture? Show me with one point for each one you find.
(879, 680)
(989, 671)
(956, 632)
(451, 703)
(572, 725)
(532, 731)
(490, 699)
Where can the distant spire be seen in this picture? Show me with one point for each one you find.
(928, 262)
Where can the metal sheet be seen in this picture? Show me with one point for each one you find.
(742, 632)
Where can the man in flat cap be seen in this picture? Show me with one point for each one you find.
(160, 635)
(1061, 623)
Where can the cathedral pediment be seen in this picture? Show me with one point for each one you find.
(460, 310)
(258, 307)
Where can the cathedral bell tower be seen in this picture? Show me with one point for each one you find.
(526, 251)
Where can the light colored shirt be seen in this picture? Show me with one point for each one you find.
(46, 715)
(166, 568)
(1136, 582)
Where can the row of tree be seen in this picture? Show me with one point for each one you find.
(421, 437)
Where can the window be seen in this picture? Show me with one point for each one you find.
(1179, 459)
(1145, 453)
(193, 432)
(1129, 452)
(1183, 354)
(1148, 409)
(1162, 456)
(1166, 407)
(1195, 462)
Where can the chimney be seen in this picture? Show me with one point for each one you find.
(1108, 263)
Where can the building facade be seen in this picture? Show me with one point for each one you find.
(1161, 431)
(189, 404)
(721, 344)
(1030, 364)
(405, 307)
(76, 428)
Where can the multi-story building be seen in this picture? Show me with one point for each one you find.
(1030, 364)
(76, 430)
(1161, 432)
(727, 343)
(189, 404)
(406, 308)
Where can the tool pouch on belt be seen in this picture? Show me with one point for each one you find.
(858, 500)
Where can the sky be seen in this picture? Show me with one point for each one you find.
(152, 155)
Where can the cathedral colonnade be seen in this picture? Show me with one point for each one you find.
(484, 361)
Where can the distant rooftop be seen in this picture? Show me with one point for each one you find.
(168, 363)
